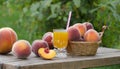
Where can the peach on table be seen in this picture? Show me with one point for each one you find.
(21, 49)
(7, 37)
(48, 37)
(36, 44)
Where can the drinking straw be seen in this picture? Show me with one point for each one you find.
(68, 22)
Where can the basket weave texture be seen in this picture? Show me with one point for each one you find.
(85, 48)
(82, 48)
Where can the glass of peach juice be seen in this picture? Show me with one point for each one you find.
(60, 41)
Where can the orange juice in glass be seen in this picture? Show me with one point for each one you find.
(60, 41)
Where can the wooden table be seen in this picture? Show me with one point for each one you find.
(104, 56)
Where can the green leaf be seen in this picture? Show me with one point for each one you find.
(47, 2)
(77, 3)
(93, 10)
(55, 8)
(52, 16)
(25, 9)
(34, 7)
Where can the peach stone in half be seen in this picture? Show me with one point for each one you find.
(45, 53)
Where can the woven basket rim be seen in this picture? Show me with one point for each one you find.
(84, 42)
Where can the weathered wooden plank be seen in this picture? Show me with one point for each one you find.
(10, 58)
(101, 50)
(105, 56)
(0, 65)
(68, 63)
(106, 50)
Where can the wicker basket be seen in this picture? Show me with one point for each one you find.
(84, 48)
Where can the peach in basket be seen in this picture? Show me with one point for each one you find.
(88, 45)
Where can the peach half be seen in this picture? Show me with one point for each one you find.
(38, 44)
(45, 53)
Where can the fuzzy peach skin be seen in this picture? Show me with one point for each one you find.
(48, 37)
(88, 25)
(38, 44)
(7, 37)
(21, 49)
(91, 36)
(46, 53)
(73, 34)
(82, 28)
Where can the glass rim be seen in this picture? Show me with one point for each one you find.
(59, 30)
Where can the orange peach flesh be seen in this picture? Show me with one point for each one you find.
(51, 54)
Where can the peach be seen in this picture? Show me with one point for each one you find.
(73, 34)
(48, 37)
(81, 27)
(88, 25)
(38, 44)
(21, 49)
(45, 53)
(91, 36)
(7, 37)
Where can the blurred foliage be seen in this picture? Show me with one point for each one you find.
(35, 17)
